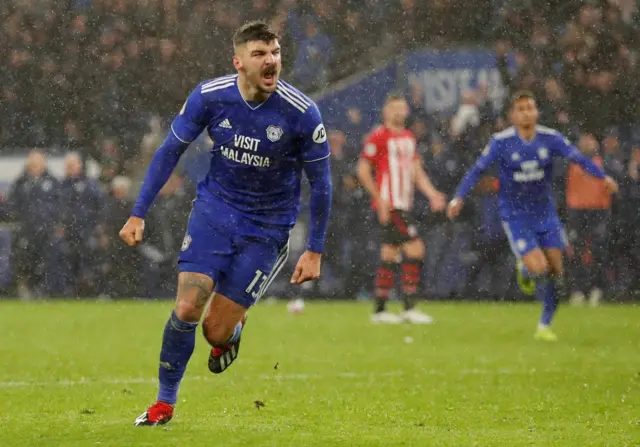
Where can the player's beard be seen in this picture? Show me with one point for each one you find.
(268, 79)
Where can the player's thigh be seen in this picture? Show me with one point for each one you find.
(255, 265)
(402, 226)
(524, 245)
(205, 249)
(204, 255)
(551, 234)
(397, 233)
(554, 257)
(413, 249)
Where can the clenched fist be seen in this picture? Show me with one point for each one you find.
(454, 208)
(132, 231)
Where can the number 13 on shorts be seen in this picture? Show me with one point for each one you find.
(257, 285)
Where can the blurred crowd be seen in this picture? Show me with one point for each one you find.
(102, 77)
(78, 71)
(66, 241)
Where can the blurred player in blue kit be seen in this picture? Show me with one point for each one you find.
(524, 154)
(265, 134)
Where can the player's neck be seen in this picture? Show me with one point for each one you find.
(250, 92)
(394, 128)
(527, 134)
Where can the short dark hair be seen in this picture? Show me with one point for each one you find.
(521, 94)
(252, 31)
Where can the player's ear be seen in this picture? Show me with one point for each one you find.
(237, 63)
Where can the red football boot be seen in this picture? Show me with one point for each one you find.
(157, 414)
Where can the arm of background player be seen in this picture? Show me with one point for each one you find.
(366, 163)
(365, 176)
(185, 128)
(472, 177)
(437, 200)
(423, 182)
(317, 167)
(569, 151)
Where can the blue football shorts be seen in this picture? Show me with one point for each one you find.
(241, 256)
(528, 233)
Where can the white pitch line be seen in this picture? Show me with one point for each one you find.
(275, 376)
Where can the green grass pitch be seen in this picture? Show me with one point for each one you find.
(79, 373)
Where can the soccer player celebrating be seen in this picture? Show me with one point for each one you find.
(390, 149)
(265, 132)
(524, 154)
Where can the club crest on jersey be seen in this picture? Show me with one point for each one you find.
(274, 133)
(521, 244)
(515, 156)
(186, 242)
(543, 153)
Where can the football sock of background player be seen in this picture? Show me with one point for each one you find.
(548, 288)
(178, 341)
(547, 293)
(411, 271)
(385, 280)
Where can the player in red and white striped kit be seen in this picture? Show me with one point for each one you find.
(391, 151)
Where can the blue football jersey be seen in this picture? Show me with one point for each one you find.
(259, 149)
(525, 169)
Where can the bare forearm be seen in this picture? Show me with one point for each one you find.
(365, 176)
(423, 183)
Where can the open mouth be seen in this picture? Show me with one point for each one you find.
(269, 76)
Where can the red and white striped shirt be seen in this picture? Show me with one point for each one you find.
(393, 155)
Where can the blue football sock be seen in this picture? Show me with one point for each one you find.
(546, 292)
(178, 342)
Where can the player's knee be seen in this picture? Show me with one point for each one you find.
(188, 310)
(389, 253)
(415, 249)
(538, 267)
(216, 332)
(194, 290)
